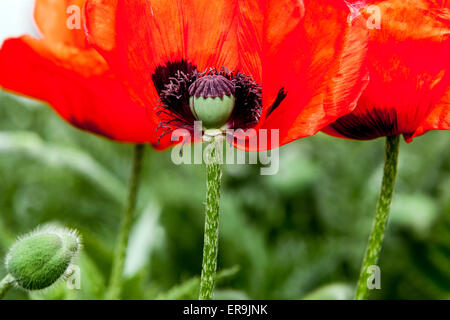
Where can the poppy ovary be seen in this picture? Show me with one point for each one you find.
(212, 100)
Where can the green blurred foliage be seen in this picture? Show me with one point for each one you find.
(298, 234)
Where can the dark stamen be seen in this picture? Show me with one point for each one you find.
(212, 86)
(177, 82)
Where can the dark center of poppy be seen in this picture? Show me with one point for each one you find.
(219, 98)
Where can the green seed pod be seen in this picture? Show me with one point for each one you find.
(213, 112)
(212, 100)
(42, 257)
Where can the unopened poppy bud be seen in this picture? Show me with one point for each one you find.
(40, 258)
(212, 100)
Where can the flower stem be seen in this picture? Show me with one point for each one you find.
(115, 285)
(381, 217)
(6, 284)
(211, 238)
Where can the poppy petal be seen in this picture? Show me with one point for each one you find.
(438, 119)
(136, 37)
(81, 89)
(60, 21)
(408, 61)
(317, 56)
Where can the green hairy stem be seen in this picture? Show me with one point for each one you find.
(381, 217)
(211, 238)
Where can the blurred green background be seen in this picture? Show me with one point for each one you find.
(296, 235)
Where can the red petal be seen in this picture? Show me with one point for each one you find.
(137, 36)
(54, 17)
(438, 119)
(77, 85)
(408, 65)
(318, 58)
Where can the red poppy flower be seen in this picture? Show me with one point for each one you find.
(61, 69)
(409, 70)
(274, 64)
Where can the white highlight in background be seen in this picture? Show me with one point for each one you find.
(16, 18)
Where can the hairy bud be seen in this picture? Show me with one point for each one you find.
(42, 257)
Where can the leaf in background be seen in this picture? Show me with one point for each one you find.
(93, 282)
(6, 237)
(230, 294)
(146, 235)
(296, 170)
(334, 291)
(188, 290)
(32, 145)
(417, 212)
